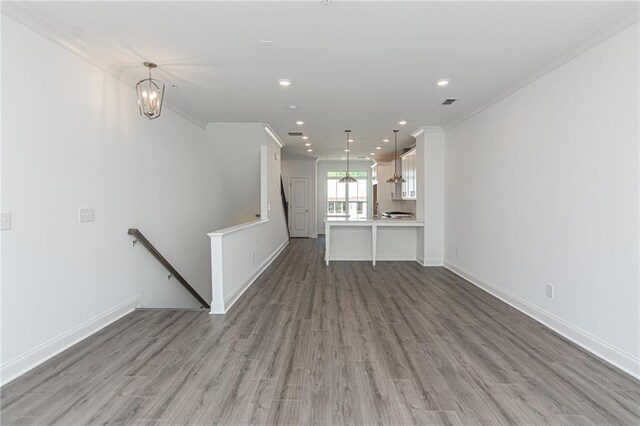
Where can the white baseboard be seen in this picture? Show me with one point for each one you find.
(429, 262)
(584, 339)
(345, 257)
(218, 307)
(31, 359)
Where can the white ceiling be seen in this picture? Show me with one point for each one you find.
(357, 65)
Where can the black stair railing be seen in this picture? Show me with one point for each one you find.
(285, 205)
(142, 239)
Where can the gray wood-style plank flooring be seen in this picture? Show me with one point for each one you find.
(345, 344)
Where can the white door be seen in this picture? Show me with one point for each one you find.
(299, 214)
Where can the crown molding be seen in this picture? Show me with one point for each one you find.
(617, 23)
(417, 132)
(273, 134)
(426, 129)
(25, 15)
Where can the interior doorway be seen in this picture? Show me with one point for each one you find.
(299, 213)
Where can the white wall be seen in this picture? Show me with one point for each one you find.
(238, 162)
(72, 137)
(324, 166)
(302, 168)
(430, 194)
(542, 187)
(240, 253)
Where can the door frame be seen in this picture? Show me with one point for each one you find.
(307, 202)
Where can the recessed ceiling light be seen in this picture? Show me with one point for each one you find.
(402, 123)
(443, 82)
(372, 154)
(367, 158)
(307, 144)
(346, 150)
(266, 42)
(385, 140)
(305, 137)
(284, 82)
(292, 107)
(350, 140)
(344, 158)
(378, 147)
(299, 123)
(310, 150)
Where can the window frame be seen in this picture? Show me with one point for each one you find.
(361, 206)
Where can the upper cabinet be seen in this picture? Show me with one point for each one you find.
(409, 187)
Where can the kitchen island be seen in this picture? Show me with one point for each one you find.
(369, 239)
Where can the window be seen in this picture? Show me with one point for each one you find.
(347, 199)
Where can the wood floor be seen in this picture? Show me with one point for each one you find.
(344, 344)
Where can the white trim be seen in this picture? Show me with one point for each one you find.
(401, 257)
(410, 152)
(217, 275)
(609, 353)
(273, 135)
(236, 228)
(264, 181)
(36, 356)
(217, 308)
(624, 19)
(347, 257)
(307, 202)
(25, 15)
(222, 307)
(429, 262)
(427, 129)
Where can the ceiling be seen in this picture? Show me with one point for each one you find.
(362, 66)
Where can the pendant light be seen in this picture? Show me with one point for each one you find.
(347, 178)
(150, 94)
(395, 178)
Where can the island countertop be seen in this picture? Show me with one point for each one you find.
(368, 221)
(372, 239)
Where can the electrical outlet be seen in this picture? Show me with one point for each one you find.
(550, 291)
(86, 215)
(5, 221)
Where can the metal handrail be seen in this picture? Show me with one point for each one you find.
(141, 238)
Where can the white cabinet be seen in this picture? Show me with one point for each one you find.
(400, 191)
(385, 190)
(409, 187)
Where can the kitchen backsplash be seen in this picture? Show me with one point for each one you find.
(400, 205)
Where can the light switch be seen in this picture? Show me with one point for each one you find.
(5, 221)
(268, 207)
(86, 215)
